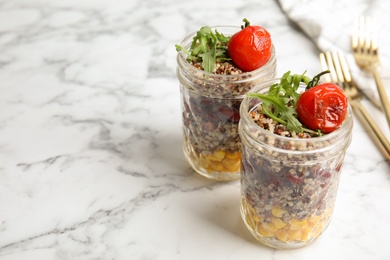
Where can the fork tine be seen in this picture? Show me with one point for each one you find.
(325, 66)
(337, 65)
(366, 33)
(359, 36)
(364, 37)
(344, 67)
(331, 67)
(371, 35)
(355, 35)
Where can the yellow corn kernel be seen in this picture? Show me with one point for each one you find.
(235, 155)
(257, 218)
(278, 223)
(232, 165)
(317, 231)
(282, 235)
(277, 211)
(216, 166)
(294, 235)
(217, 156)
(297, 224)
(249, 221)
(315, 220)
(306, 232)
(252, 212)
(263, 232)
(270, 227)
(204, 162)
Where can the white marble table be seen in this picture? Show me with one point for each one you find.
(91, 162)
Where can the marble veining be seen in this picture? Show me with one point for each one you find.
(91, 161)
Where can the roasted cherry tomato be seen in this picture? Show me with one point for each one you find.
(251, 47)
(322, 107)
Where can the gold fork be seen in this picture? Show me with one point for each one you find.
(365, 49)
(336, 63)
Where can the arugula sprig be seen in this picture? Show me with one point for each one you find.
(280, 101)
(208, 47)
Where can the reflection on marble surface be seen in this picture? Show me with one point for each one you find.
(91, 162)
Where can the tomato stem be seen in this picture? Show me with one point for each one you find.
(247, 23)
(316, 79)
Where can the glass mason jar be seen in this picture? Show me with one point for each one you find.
(288, 185)
(210, 112)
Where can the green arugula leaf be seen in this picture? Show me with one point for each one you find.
(281, 113)
(207, 47)
(208, 60)
(180, 48)
(222, 38)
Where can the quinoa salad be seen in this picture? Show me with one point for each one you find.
(212, 90)
(289, 182)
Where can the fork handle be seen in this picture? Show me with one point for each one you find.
(373, 129)
(382, 95)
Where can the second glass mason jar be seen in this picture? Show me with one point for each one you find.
(288, 185)
(210, 112)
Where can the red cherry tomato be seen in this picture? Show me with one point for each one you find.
(250, 48)
(322, 107)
